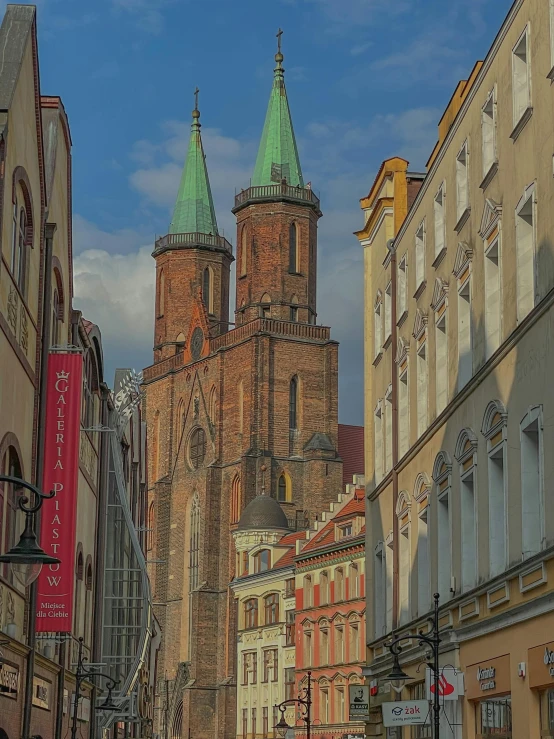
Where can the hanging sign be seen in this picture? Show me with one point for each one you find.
(405, 712)
(61, 470)
(359, 702)
(451, 684)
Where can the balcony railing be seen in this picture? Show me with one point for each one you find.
(190, 240)
(271, 326)
(277, 192)
(161, 368)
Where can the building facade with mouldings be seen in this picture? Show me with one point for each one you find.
(458, 360)
(223, 400)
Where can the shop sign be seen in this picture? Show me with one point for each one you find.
(379, 692)
(541, 665)
(399, 713)
(41, 693)
(61, 471)
(353, 736)
(451, 683)
(83, 709)
(488, 678)
(9, 680)
(358, 702)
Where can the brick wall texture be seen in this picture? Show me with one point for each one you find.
(238, 395)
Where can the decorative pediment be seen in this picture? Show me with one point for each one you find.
(442, 466)
(402, 349)
(420, 324)
(422, 487)
(491, 215)
(403, 503)
(464, 254)
(495, 418)
(466, 445)
(440, 291)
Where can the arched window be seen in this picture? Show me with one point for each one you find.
(284, 489)
(90, 386)
(243, 250)
(241, 406)
(251, 613)
(156, 447)
(442, 479)
(207, 290)
(308, 591)
(271, 608)
(466, 456)
(180, 342)
(235, 499)
(262, 560)
(150, 532)
(88, 603)
(421, 496)
(161, 294)
(20, 237)
(9, 494)
(265, 306)
(212, 405)
(194, 545)
(293, 403)
(339, 584)
(79, 574)
(403, 506)
(495, 431)
(55, 330)
(532, 483)
(323, 588)
(293, 249)
(294, 309)
(353, 581)
(197, 448)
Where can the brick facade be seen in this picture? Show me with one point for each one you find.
(236, 390)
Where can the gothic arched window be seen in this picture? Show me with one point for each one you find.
(271, 606)
(293, 249)
(197, 448)
(161, 294)
(284, 489)
(194, 547)
(9, 495)
(235, 500)
(207, 290)
(242, 260)
(293, 403)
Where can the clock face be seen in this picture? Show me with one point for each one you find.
(196, 342)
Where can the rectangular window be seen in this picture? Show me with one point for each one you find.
(290, 587)
(339, 718)
(423, 561)
(354, 643)
(420, 255)
(253, 723)
(418, 692)
(378, 443)
(324, 707)
(339, 644)
(290, 630)
(422, 388)
(344, 531)
(444, 546)
(265, 721)
(289, 683)
(404, 576)
(525, 255)
(307, 648)
(377, 329)
(389, 579)
(468, 532)
(293, 313)
(388, 311)
(403, 414)
(441, 363)
(465, 357)
(380, 604)
(440, 236)
(462, 181)
(324, 647)
(531, 484)
(521, 76)
(494, 718)
(488, 133)
(493, 304)
(244, 723)
(388, 431)
(402, 287)
(497, 510)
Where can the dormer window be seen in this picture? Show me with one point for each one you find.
(262, 561)
(345, 530)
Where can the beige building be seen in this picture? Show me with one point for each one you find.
(458, 367)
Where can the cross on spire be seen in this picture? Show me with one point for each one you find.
(279, 34)
(196, 91)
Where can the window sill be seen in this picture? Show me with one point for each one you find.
(377, 359)
(241, 277)
(520, 125)
(388, 342)
(488, 178)
(402, 318)
(296, 274)
(440, 256)
(420, 289)
(462, 220)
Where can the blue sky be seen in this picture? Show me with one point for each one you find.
(366, 79)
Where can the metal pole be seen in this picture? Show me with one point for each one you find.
(436, 697)
(77, 691)
(308, 706)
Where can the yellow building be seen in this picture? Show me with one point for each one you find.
(458, 367)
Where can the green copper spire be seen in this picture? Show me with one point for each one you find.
(277, 158)
(194, 210)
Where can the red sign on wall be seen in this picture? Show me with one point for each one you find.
(61, 471)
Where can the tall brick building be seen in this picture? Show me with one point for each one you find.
(232, 408)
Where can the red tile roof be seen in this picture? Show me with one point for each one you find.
(288, 540)
(327, 534)
(351, 449)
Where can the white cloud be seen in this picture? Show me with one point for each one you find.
(87, 236)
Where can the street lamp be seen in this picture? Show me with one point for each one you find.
(27, 557)
(398, 676)
(83, 674)
(305, 700)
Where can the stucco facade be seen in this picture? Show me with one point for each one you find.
(458, 364)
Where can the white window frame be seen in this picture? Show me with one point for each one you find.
(388, 312)
(377, 326)
(497, 449)
(528, 195)
(489, 162)
(464, 289)
(467, 466)
(439, 318)
(380, 602)
(423, 558)
(389, 558)
(388, 430)
(403, 428)
(422, 363)
(404, 558)
(420, 240)
(533, 416)
(439, 208)
(494, 246)
(521, 107)
(462, 180)
(402, 288)
(444, 542)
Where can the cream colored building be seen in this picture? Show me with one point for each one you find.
(265, 593)
(458, 369)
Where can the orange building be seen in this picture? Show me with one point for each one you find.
(330, 613)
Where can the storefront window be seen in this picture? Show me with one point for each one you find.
(419, 693)
(547, 713)
(494, 718)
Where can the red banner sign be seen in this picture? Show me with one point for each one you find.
(61, 473)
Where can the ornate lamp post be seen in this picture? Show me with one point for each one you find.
(305, 700)
(27, 557)
(83, 674)
(398, 675)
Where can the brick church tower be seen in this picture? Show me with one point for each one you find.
(232, 410)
